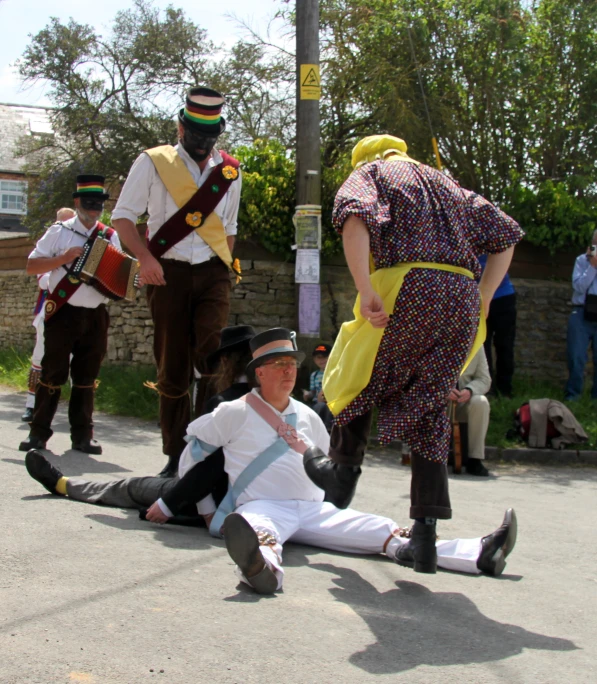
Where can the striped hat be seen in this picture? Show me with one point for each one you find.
(202, 112)
(89, 185)
(271, 344)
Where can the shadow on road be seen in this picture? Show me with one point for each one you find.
(74, 463)
(415, 626)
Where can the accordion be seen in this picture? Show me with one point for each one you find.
(108, 270)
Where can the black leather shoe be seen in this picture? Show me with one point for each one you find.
(27, 417)
(42, 470)
(475, 466)
(339, 482)
(170, 469)
(420, 552)
(498, 545)
(242, 544)
(88, 446)
(32, 443)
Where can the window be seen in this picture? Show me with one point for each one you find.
(13, 197)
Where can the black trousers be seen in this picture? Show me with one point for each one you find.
(501, 334)
(429, 493)
(83, 333)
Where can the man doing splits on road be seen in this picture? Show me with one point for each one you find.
(271, 500)
(416, 318)
(191, 193)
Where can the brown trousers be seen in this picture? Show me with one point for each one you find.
(188, 314)
(83, 333)
(429, 495)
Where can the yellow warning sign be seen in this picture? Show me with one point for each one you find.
(310, 83)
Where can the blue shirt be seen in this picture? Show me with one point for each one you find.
(316, 382)
(583, 280)
(506, 287)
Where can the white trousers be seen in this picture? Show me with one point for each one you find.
(476, 413)
(345, 530)
(38, 353)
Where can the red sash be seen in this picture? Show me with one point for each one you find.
(203, 202)
(69, 284)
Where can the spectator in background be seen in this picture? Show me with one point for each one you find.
(472, 407)
(582, 324)
(314, 395)
(501, 331)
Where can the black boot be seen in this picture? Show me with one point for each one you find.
(171, 468)
(339, 482)
(420, 552)
(32, 442)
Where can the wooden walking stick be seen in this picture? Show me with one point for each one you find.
(456, 443)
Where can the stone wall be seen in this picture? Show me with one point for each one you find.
(266, 297)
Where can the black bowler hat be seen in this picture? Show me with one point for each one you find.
(271, 344)
(202, 112)
(232, 337)
(92, 186)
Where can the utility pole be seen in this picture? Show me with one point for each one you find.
(307, 216)
(308, 88)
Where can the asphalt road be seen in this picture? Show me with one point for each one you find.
(90, 594)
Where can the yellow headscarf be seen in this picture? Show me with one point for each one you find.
(379, 147)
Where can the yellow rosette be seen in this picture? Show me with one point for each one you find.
(230, 173)
(194, 219)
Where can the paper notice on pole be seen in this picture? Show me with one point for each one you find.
(308, 231)
(307, 266)
(309, 309)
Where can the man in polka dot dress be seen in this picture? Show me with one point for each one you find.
(417, 225)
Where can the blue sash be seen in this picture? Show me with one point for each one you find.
(255, 468)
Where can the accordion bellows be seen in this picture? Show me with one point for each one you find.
(108, 270)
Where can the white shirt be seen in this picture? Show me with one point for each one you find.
(243, 434)
(56, 240)
(144, 191)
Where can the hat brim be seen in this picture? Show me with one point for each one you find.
(255, 363)
(200, 128)
(236, 344)
(104, 196)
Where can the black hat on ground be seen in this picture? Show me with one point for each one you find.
(272, 344)
(233, 337)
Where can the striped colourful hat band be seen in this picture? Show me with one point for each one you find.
(90, 187)
(203, 115)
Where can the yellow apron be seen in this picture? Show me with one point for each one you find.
(349, 368)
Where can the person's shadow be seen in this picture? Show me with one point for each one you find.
(415, 626)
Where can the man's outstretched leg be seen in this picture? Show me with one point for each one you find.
(132, 492)
(351, 531)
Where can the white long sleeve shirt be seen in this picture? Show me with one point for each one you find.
(56, 240)
(144, 191)
(243, 434)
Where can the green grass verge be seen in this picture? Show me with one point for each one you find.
(120, 392)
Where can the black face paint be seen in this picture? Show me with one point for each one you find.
(90, 204)
(193, 142)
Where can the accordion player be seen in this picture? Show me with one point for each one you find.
(108, 270)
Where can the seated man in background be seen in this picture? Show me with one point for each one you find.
(472, 407)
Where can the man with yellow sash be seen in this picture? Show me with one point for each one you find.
(411, 238)
(191, 193)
